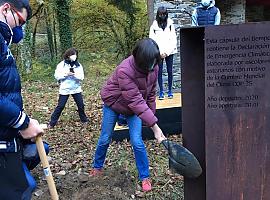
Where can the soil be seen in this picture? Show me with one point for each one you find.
(112, 184)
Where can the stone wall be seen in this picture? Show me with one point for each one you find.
(232, 11)
(180, 19)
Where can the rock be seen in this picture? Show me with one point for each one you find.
(140, 194)
(66, 165)
(45, 108)
(38, 193)
(79, 171)
(117, 189)
(61, 173)
(83, 178)
(49, 158)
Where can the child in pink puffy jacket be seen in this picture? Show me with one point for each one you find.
(131, 91)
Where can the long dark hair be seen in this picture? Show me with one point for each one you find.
(162, 11)
(146, 53)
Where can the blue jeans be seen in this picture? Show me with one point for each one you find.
(169, 64)
(135, 130)
(30, 161)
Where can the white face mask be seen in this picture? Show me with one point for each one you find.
(73, 57)
(206, 3)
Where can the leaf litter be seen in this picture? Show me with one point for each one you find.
(72, 146)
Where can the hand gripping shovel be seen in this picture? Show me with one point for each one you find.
(46, 166)
(182, 161)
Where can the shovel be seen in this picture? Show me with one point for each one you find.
(181, 160)
(46, 166)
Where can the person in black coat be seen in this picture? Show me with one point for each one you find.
(16, 128)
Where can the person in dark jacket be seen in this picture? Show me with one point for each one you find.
(131, 91)
(206, 14)
(16, 128)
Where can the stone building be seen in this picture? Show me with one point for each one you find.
(232, 12)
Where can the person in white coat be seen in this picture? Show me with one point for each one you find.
(162, 31)
(69, 73)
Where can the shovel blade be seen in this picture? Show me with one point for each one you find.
(182, 161)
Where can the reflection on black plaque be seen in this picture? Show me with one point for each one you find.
(237, 112)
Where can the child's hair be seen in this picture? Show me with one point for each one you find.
(146, 53)
(161, 11)
(19, 5)
(69, 52)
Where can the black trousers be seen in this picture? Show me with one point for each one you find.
(13, 182)
(61, 105)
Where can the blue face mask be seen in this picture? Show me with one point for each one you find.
(17, 34)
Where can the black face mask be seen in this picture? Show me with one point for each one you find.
(163, 18)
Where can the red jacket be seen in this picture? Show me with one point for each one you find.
(130, 91)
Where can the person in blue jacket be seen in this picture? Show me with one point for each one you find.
(206, 14)
(18, 153)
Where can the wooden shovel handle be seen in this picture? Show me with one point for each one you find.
(46, 168)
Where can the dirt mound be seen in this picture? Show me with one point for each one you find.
(113, 184)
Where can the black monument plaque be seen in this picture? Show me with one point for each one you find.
(226, 110)
(237, 112)
(193, 95)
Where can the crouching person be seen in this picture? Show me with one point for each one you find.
(17, 157)
(131, 91)
(16, 181)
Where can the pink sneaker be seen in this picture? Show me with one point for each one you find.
(96, 172)
(146, 185)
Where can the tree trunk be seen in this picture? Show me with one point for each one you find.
(54, 36)
(49, 32)
(34, 38)
(150, 11)
(63, 18)
(37, 14)
(25, 50)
